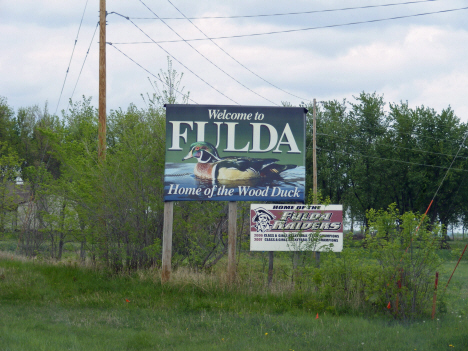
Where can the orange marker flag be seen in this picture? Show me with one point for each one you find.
(127, 300)
(389, 305)
(316, 317)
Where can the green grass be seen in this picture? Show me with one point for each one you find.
(56, 327)
(50, 306)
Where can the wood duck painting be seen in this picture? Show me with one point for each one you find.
(232, 168)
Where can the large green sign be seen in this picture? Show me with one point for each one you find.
(234, 153)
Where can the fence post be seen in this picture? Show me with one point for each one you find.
(435, 295)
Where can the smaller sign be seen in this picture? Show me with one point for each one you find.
(295, 227)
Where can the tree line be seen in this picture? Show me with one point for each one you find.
(369, 156)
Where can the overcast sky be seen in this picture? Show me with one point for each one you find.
(421, 59)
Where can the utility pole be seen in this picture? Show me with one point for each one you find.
(314, 151)
(102, 82)
(102, 102)
(314, 161)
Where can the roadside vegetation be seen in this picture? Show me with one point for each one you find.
(80, 240)
(62, 305)
(369, 159)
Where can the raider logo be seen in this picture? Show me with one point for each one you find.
(262, 220)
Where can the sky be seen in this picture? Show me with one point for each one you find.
(420, 59)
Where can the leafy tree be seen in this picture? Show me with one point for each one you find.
(132, 184)
(9, 170)
(367, 170)
(6, 121)
(332, 154)
(441, 135)
(368, 158)
(401, 145)
(33, 145)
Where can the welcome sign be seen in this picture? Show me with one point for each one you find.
(234, 153)
(296, 227)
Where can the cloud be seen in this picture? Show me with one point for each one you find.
(422, 59)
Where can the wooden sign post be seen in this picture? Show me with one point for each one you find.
(232, 235)
(270, 266)
(167, 241)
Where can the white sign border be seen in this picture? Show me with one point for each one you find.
(280, 240)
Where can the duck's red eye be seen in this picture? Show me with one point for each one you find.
(197, 148)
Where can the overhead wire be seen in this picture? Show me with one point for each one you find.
(294, 30)
(451, 141)
(393, 160)
(397, 147)
(446, 173)
(452, 203)
(425, 214)
(429, 206)
(284, 14)
(254, 34)
(235, 60)
(207, 59)
(173, 57)
(155, 76)
(84, 61)
(71, 57)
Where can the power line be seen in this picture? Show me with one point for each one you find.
(284, 14)
(295, 30)
(433, 198)
(451, 164)
(393, 160)
(450, 141)
(87, 52)
(255, 74)
(168, 53)
(397, 147)
(158, 78)
(69, 63)
(207, 59)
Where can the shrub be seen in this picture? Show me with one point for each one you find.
(405, 247)
(396, 266)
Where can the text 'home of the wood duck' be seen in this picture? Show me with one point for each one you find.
(235, 153)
